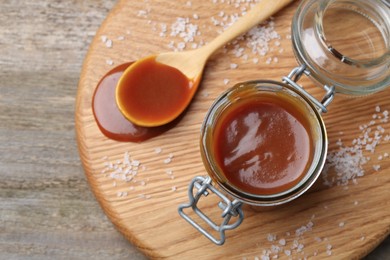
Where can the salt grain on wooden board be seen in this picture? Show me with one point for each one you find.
(109, 43)
(348, 161)
(294, 246)
(124, 171)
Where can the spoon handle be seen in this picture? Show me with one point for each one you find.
(256, 15)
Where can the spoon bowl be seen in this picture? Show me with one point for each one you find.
(155, 90)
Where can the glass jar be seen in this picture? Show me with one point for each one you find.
(344, 43)
(349, 55)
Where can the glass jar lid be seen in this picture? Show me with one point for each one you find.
(344, 43)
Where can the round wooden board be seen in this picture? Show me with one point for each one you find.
(344, 221)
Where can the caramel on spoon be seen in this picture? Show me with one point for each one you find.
(155, 90)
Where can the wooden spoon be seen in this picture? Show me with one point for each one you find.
(149, 98)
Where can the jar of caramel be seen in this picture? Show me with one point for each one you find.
(264, 142)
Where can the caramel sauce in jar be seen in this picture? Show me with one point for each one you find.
(262, 142)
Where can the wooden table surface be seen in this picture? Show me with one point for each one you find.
(47, 210)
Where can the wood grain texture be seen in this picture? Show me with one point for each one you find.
(352, 219)
(47, 210)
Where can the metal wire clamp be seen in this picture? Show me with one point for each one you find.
(292, 80)
(229, 209)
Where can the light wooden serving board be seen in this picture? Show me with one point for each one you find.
(342, 221)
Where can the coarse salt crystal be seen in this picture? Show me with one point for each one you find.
(282, 242)
(376, 167)
(109, 43)
(142, 13)
(226, 81)
(341, 224)
(271, 237)
(135, 163)
(158, 150)
(168, 160)
(377, 109)
(233, 66)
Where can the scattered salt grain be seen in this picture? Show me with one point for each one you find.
(158, 150)
(226, 81)
(109, 43)
(282, 242)
(303, 229)
(377, 109)
(233, 66)
(174, 188)
(135, 163)
(168, 160)
(271, 237)
(376, 167)
(341, 224)
(109, 62)
(142, 13)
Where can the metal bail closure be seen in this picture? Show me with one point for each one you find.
(229, 209)
(292, 80)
